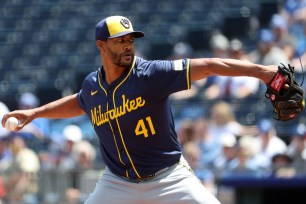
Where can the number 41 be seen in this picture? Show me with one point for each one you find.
(141, 127)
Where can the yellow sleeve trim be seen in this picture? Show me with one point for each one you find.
(188, 74)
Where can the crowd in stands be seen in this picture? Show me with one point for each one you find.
(35, 168)
(224, 124)
(214, 141)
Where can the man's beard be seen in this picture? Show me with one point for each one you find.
(117, 59)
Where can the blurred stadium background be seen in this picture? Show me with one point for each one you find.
(47, 47)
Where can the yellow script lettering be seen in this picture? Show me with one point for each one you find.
(99, 118)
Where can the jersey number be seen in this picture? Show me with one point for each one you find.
(142, 127)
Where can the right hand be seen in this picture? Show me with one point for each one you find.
(24, 117)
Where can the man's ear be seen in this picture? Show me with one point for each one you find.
(100, 45)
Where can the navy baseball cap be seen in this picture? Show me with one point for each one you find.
(115, 26)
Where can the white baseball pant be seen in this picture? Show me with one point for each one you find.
(175, 185)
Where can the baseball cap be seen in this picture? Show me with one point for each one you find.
(219, 41)
(115, 26)
(235, 45)
(265, 125)
(299, 130)
(28, 99)
(228, 139)
(265, 35)
(278, 21)
(73, 133)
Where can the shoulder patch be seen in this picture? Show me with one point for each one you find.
(178, 65)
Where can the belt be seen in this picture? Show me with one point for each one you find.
(149, 176)
(144, 177)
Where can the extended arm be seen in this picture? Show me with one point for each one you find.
(204, 67)
(66, 107)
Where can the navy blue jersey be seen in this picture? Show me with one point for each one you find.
(132, 116)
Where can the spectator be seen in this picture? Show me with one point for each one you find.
(282, 165)
(240, 89)
(223, 119)
(227, 160)
(192, 154)
(236, 87)
(301, 42)
(219, 45)
(186, 131)
(267, 52)
(66, 160)
(245, 155)
(200, 126)
(38, 128)
(84, 154)
(208, 145)
(300, 51)
(37, 133)
(180, 50)
(236, 50)
(70, 160)
(3, 110)
(21, 177)
(227, 88)
(5, 154)
(294, 11)
(268, 143)
(297, 148)
(5, 162)
(283, 39)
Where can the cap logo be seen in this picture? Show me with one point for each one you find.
(125, 22)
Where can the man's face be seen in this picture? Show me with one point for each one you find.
(264, 47)
(121, 50)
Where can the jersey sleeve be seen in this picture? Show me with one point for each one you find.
(80, 100)
(84, 94)
(165, 77)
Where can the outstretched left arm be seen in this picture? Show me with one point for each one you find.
(203, 67)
